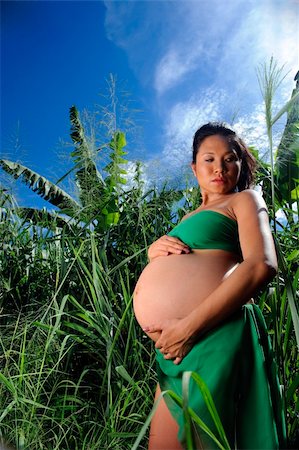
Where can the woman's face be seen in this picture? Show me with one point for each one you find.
(217, 167)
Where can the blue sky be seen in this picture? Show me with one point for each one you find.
(183, 63)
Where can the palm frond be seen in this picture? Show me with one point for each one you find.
(40, 185)
(41, 217)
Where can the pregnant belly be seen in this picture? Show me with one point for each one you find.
(172, 286)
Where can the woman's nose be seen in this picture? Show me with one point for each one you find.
(219, 168)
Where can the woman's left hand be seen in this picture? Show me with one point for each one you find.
(174, 341)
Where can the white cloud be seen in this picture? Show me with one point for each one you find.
(183, 120)
(269, 29)
(201, 58)
(186, 117)
(231, 39)
(280, 216)
(196, 44)
(172, 68)
(169, 42)
(281, 31)
(252, 128)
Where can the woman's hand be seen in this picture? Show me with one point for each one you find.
(167, 245)
(174, 341)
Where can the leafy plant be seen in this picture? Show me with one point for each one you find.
(281, 308)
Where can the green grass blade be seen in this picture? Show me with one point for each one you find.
(290, 292)
(208, 401)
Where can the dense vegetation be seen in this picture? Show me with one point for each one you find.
(76, 371)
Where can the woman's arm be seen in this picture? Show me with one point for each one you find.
(258, 267)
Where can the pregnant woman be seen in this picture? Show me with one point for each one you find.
(194, 300)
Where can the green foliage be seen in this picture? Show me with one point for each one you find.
(287, 163)
(99, 198)
(40, 185)
(190, 415)
(283, 177)
(68, 303)
(63, 362)
(280, 189)
(113, 183)
(89, 181)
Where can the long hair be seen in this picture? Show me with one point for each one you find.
(248, 162)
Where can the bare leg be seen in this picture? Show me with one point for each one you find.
(164, 429)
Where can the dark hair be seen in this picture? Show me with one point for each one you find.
(248, 162)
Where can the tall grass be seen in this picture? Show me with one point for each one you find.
(76, 370)
(69, 377)
(281, 307)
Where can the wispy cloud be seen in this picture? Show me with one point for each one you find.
(176, 143)
(169, 40)
(269, 29)
(172, 68)
(195, 49)
(222, 41)
(252, 128)
(201, 59)
(186, 117)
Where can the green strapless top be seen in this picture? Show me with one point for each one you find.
(209, 230)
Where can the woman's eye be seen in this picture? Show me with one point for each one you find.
(209, 160)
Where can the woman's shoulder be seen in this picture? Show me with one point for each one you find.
(248, 200)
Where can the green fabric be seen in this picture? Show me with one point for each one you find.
(236, 362)
(208, 230)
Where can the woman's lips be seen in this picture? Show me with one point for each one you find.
(218, 180)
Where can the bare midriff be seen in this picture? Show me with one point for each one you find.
(170, 287)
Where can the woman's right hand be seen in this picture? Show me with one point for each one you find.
(167, 245)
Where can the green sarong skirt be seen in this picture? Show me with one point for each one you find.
(235, 360)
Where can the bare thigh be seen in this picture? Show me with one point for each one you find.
(164, 429)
